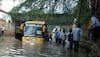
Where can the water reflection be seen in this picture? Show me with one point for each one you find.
(71, 53)
(40, 50)
(17, 44)
(76, 54)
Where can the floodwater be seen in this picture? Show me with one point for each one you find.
(11, 47)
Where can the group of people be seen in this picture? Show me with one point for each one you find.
(71, 39)
(68, 39)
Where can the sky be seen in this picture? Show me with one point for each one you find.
(8, 5)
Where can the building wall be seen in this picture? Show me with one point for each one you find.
(2, 22)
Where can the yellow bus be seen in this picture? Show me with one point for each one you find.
(33, 31)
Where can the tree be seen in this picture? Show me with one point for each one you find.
(33, 8)
(4, 11)
(47, 6)
(82, 11)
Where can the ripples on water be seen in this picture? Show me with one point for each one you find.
(49, 49)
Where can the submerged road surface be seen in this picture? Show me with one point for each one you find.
(11, 47)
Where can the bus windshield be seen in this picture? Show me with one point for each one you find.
(33, 30)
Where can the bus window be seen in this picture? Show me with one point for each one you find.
(33, 30)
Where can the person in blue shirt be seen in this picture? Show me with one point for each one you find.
(76, 37)
(95, 26)
(95, 21)
(57, 35)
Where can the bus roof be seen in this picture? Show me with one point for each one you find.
(36, 22)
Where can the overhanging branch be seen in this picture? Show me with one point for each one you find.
(4, 11)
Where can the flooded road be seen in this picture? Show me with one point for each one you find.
(11, 47)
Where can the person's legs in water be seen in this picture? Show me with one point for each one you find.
(60, 41)
(76, 46)
(63, 42)
(94, 33)
(71, 43)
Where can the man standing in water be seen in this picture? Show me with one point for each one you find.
(2, 31)
(76, 37)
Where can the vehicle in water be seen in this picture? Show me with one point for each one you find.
(33, 31)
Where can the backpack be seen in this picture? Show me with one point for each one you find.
(70, 37)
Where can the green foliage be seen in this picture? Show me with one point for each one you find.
(82, 11)
(38, 14)
(26, 4)
(55, 19)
